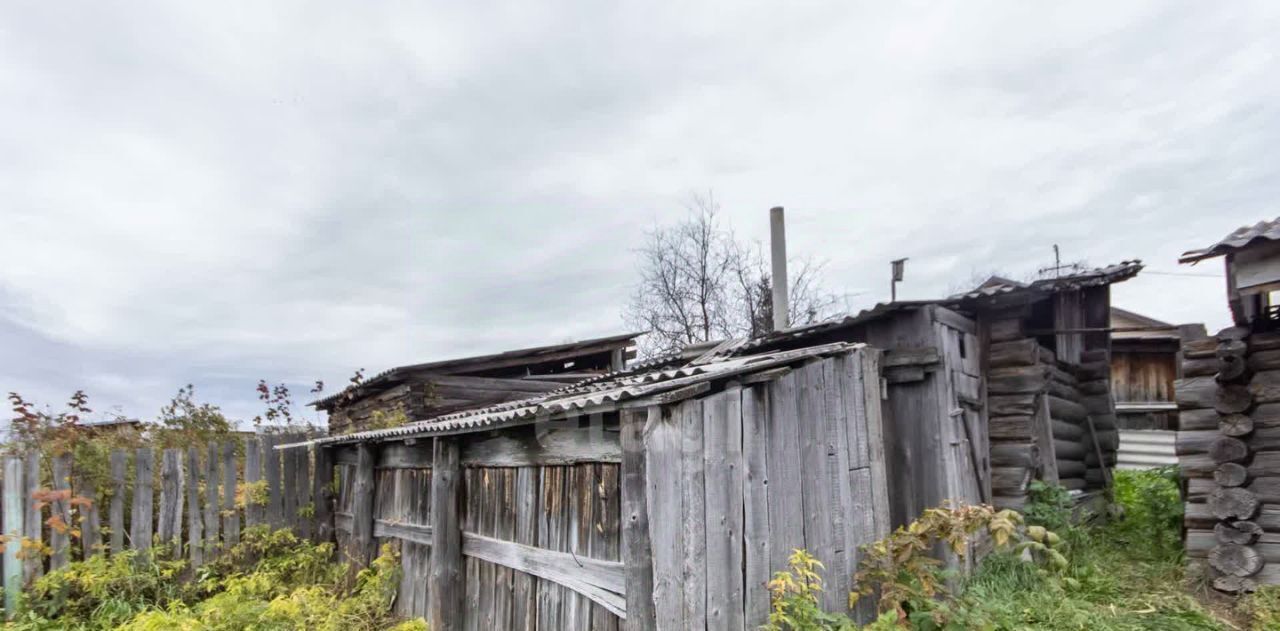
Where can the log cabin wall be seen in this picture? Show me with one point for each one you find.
(1049, 419)
(1229, 452)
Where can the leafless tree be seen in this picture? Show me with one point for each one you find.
(699, 283)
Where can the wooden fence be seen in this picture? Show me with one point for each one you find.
(193, 500)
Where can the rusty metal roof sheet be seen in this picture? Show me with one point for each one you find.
(587, 397)
(1242, 237)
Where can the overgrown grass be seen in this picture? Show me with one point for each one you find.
(271, 581)
(1124, 571)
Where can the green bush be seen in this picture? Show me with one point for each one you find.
(1151, 511)
(270, 581)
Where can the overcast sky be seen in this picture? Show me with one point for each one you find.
(218, 192)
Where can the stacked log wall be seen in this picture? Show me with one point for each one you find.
(1229, 452)
(1100, 433)
(1049, 420)
(1016, 382)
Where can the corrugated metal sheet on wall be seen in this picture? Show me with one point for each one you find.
(1146, 449)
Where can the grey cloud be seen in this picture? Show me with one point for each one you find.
(226, 192)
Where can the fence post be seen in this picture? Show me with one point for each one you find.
(90, 519)
(211, 503)
(253, 512)
(170, 527)
(302, 462)
(637, 552)
(119, 465)
(13, 514)
(362, 490)
(445, 586)
(195, 534)
(33, 526)
(230, 517)
(322, 495)
(289, 496)
(140, 527)
(271, 459)
(60, 537)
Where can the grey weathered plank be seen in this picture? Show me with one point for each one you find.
(275, 491)
(59, 536)
(289, 494)
(835, 425)
(13, 531)
(363, 545)
(863, 372)
(755, 493)
(693, 496)
(230, 515)
(724, 506)
(115, 516)
(445, 591)
(142, 522)
(600, 581)
(212, 504)
(90, 523)
(580, 506)
(503, 529)
(306, 510)
(551, 535)
(637, 553)
(169, 524)
(524, 601)
(786, 505)
(523, 448)
(33, 519)
(606, 533)
(254, 512)
(195, 525)
(664, 472)
(322, 495)
(823, 523)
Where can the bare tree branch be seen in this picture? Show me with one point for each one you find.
(698, 283)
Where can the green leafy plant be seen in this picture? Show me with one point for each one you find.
(1048, 505)
(794, 594)
(272, 580)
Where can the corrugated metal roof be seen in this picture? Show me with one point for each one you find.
(1242, 237)
(1107, 275)
(807, 331)
(585, 397)
(373, 383)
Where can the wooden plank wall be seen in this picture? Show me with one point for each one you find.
(934, 420)
(728, 485)
(804, 451)
(540, 519)
(175, 501)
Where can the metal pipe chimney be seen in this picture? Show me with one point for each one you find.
(778, 251)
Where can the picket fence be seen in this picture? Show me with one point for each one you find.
(188, 503)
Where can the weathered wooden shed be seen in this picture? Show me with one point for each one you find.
(1229, 439)
(1047, 349)
(990, 389)
(662, 497)
(1146, 360)
(427, 390)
